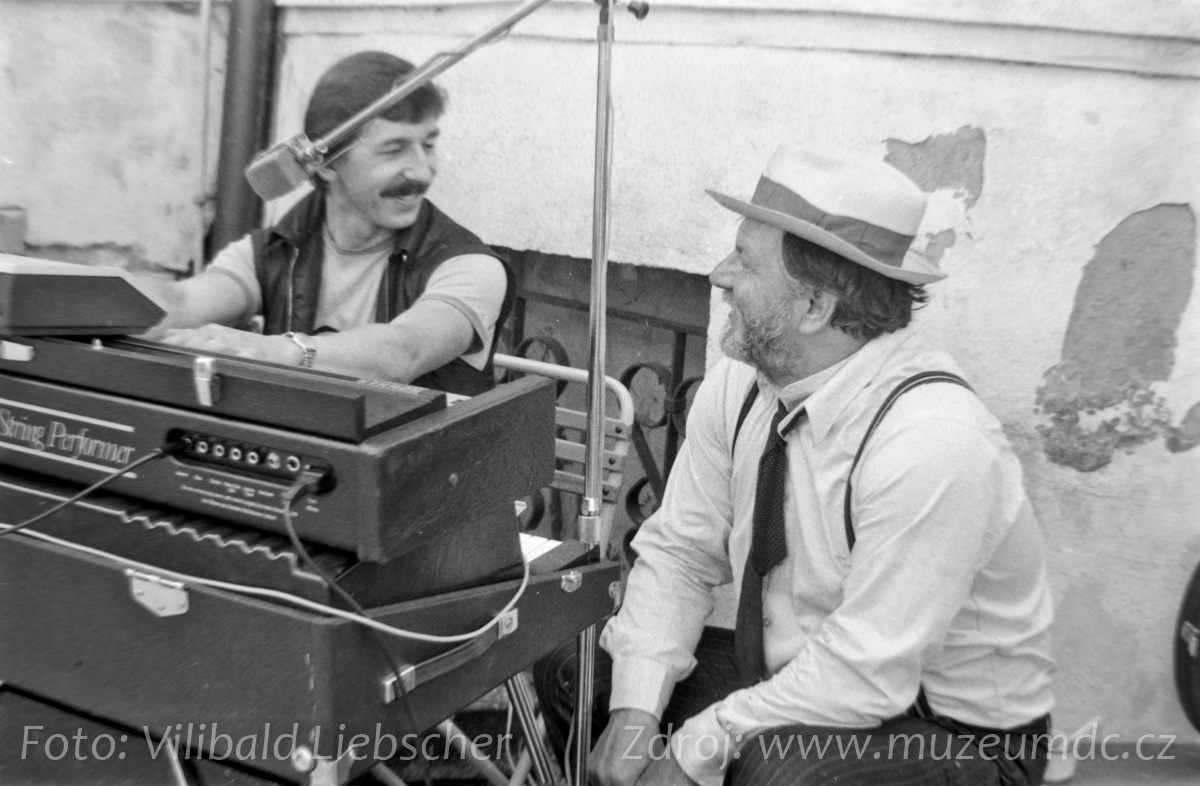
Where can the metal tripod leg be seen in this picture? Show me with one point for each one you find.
(535, 742)
(478, 759)
(583, 704)
(181, 773)
(386, 776)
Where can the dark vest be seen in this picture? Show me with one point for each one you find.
(288, 261)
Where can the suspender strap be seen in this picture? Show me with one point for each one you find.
(920, 707)
(924, 378)
(916, 380)
(751, 395)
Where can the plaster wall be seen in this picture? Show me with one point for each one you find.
(1058, 141)
(1058, 146)
(101, 121)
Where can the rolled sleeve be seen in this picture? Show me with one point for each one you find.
(640, 683)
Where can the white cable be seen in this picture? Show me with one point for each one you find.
(245, 589)
(508, 727)
(567, 752)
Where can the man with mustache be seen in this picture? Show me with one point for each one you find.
(893, 610)
(365, 276)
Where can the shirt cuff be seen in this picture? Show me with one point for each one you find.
(704, 748)
(640, 684)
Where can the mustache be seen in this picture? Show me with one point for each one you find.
(406, 189)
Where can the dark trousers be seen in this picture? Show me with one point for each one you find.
(904, 751)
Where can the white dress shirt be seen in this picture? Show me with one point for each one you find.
(945, 586)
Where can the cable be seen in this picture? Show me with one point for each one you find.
(567, 768)
(508, 727)
(151, 456)
(308, 482)
(245, 589)
(262, 592)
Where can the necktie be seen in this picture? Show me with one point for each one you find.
(768, 547)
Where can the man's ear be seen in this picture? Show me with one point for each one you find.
(816, 308)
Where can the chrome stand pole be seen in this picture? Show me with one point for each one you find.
(590, 518)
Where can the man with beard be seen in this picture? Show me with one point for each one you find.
(893, 612)
(365, 276)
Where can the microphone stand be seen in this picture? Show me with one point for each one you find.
(590, 518)
(591, 528)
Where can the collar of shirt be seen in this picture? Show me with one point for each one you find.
(826, 394)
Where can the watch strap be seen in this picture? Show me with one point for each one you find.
(306, 346)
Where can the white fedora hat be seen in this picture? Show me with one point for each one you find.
(860, 209)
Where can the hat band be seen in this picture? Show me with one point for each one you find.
(879, 243)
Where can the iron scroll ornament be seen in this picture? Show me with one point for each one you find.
(645, 495)
(675, 408)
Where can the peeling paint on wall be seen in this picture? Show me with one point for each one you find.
(1187, 435)
(945, 161)
(1120, 340)
(937, 244)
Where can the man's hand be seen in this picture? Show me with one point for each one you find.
(623, 752)
(241, 343)
(665, 772)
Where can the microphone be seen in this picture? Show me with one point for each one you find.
(280, 168)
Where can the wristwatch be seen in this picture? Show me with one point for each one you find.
(306, 346)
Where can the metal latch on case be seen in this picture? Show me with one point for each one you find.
(11, 350)
(206, 381)
(162, 597)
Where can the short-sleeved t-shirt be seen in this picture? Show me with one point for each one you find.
(473, 283)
